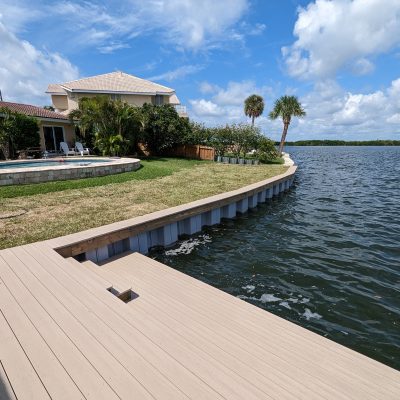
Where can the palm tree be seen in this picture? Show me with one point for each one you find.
(286, 107)
(116, 125)
(253, 107)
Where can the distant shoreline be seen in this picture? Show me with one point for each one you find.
(343, 143)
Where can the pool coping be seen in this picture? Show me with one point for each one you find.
(15, 176)
(115, 161)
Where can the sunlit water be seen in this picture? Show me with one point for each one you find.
(326, 255)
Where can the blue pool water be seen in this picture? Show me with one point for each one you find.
(51, 163)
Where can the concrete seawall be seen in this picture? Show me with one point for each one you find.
(163, 228)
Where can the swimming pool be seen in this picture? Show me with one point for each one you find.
(35, 171)
(52, 163)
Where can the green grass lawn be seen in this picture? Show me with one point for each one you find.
(150, 169)
(58, 208)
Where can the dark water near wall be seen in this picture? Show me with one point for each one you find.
(326, 255)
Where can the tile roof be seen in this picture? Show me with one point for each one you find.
(55, 88)
(112, 82)
(174, 99)
(33, 111)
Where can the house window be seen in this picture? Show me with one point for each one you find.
(53, 136)
(159, 100)
(115, 96)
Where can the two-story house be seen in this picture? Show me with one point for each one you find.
(117, 85)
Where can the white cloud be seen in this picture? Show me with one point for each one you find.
(206, 88)
(26, 71)
(177, 73)
(341, 34)
(236, 93)
(362, 66)
(226, 104)
(112, 47)
(206, 108)
(192, 23)
(394, 119)
(331, 111)
(186, 24)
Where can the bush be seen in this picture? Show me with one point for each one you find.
(245, 138)
(163, 128)
(266, 151)
(198, 134)
(17, 132)
(221, 139)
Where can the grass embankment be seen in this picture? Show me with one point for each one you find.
(59, 208)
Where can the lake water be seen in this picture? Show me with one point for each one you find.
(325, 256)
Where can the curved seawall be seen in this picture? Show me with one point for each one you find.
(163, 228)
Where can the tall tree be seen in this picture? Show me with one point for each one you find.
(286, 107)
(253, 107)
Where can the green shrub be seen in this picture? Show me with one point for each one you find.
(266, 151)
(163, 128)
(17, 132)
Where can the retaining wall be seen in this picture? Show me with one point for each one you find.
(163, 228)
(17, 176)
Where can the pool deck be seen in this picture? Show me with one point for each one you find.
(66, 332)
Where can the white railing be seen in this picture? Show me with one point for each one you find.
(180, 109)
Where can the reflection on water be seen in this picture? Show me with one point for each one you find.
(326, 255)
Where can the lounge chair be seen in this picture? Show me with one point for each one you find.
(66, 150)
(81, 150)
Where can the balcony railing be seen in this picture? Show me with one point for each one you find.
(181, 110)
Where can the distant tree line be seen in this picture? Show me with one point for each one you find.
(344, 143)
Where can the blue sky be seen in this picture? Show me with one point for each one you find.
(340, 57)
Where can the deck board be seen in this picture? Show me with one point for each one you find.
(180, 339)
(283, 354)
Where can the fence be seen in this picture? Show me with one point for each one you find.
(193, 151)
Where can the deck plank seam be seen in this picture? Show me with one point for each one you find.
(229, 300)
(65, 334)
(132, 326)
(42, 338)
(285, 361)
(83, 327)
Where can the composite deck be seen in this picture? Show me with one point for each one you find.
(64, 335)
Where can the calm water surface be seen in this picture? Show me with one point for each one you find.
(326, 255)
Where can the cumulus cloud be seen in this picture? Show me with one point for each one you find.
(225, 104)
(331, 110)
(206, 108)
(26, 71)
(332, 35)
